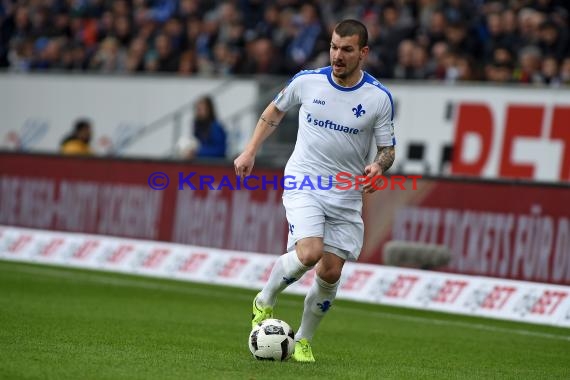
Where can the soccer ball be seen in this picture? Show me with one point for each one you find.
(272, 339)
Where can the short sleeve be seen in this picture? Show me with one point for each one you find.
(384, 126)
(290, 95)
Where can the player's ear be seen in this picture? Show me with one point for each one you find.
(364, 52)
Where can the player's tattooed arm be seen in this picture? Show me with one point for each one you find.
(385, 157)
(268, 121)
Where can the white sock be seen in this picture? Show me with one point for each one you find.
(287, 269)
(317, 302)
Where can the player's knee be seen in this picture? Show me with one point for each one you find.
(329, 274)
(309, 257)
(309, 251)
(330, 268)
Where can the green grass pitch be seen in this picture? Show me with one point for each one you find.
(58, 323)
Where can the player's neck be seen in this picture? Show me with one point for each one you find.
(350, 81)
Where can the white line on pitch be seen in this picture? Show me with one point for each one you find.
(444, 322)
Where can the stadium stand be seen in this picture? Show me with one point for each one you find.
(521, 41)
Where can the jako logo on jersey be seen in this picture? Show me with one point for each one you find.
(358, 110)
(319, 101)
(331, 125)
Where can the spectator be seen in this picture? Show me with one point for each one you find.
(204, 45)
(565, 71)
(436, 66)
(189, 9)
(159, 10)
(551, 41)
(457, 11)
(549, 72)
(511, 36)
(308, 33)
(529, 65)
(193, 29)
(79, 58)
(460, 40)
(269, 24)
(436, 28)
(197, 37)
(135, 60)
(122, 31)
(174, 29)
(395, 29)
(499, 72)
(49, 54)
(226, 59)
(495, 35)
(77, 142)
(529, 22)
(262, 59)
(187, 64)
(465, 68)
(450, 66)
(376, 58)
(21, 54)
(110, 57)
(208, 131)
(167, 57)
(404, 68)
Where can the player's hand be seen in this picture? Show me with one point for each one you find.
(372, 171)
(244, 164)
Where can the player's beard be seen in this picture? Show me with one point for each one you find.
(346, 73)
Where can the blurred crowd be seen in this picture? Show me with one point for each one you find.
(522, 41)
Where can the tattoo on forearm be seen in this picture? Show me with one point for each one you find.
(385, 157)
(271, 123)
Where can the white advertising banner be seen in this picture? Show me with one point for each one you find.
(487, 131)
(37, 111)
(470, 295)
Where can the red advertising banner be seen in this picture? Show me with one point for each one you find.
(116, 197)
(515, 231)
(535, 123)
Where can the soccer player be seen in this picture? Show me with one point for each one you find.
(343, 111)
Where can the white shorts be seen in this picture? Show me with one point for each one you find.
(338, 221)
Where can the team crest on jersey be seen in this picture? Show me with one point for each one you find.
(358, 110)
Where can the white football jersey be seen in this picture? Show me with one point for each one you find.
(337, 126)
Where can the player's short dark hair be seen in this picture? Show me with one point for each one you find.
(351, 27)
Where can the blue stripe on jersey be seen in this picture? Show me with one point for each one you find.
(328, 71)
(370, 79)
(321, 71)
